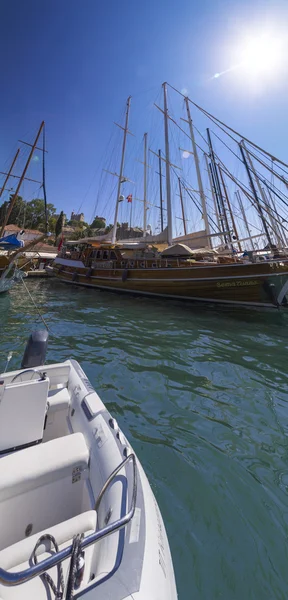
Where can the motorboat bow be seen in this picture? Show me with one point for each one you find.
(78, 516)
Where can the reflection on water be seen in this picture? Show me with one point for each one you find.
(202, 394)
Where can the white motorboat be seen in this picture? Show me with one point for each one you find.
(10, 277)
(78, 516)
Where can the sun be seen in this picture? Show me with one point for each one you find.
(261, 54)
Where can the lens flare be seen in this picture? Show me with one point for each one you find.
(261, 54)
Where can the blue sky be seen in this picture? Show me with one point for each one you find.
(74, 63)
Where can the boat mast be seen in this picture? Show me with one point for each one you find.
(9, 172)
(218, 193)
(168, 183)
(261, 191)
(229, 208)
(213, 195)
(182, 205)
(248, 170)
(145, 186)
(44, 181)
(14, 198)
(238, 196)
(198, 172)
(274, 225)
(280, 226)
(160, 188)
(120, 178)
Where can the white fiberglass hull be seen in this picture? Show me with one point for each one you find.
(132, 562)
(8, 279)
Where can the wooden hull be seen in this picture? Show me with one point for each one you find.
(26, 265)
(260, 284)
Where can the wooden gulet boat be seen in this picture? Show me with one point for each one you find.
(252, 284)
(78, 516)
(236, 280)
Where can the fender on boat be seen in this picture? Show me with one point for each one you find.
(125, 275)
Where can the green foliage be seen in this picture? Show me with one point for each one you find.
(77, 224)
(29, 215)
(52, 224)
(17, 214)
(97, 224)
(35, 214)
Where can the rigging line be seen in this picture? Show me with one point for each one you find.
(272, 161)
(201, 135)
(228, 147)
(281, 177)
(263, 181)
(250, 198)
(35, 306)
(185, 133)
(271, 189)
(198, 206)
(256, 170)
(97, 198)
(210, 116)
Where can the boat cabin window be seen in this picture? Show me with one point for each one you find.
(99, 254)
(113, 255)
(105, 254)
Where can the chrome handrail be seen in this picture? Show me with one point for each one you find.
(16, 578)
(111, 477)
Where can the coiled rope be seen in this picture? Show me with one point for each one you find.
(59, 588)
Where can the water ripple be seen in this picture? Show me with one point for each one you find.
(202, 394)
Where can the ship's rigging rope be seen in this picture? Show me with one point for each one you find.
(268, 209)
(215, 119)
(35, 306)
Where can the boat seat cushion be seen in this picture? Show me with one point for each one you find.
(59, 399)
(22, 413)
(39, 465)
(17, 557)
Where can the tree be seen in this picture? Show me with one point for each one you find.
(52, 224)
(59, 225)
(35, 214)
(97, 223)
(77, 224)
(17, 214)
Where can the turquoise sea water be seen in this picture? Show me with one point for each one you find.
(202, 394)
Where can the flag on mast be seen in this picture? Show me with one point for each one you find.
(129, 198)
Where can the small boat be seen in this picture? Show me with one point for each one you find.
(9, 277)
(12, 259)
(78, 516)
(9, 271)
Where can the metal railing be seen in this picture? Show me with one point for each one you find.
(16, 578)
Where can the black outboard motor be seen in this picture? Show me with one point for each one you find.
(36, 348)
